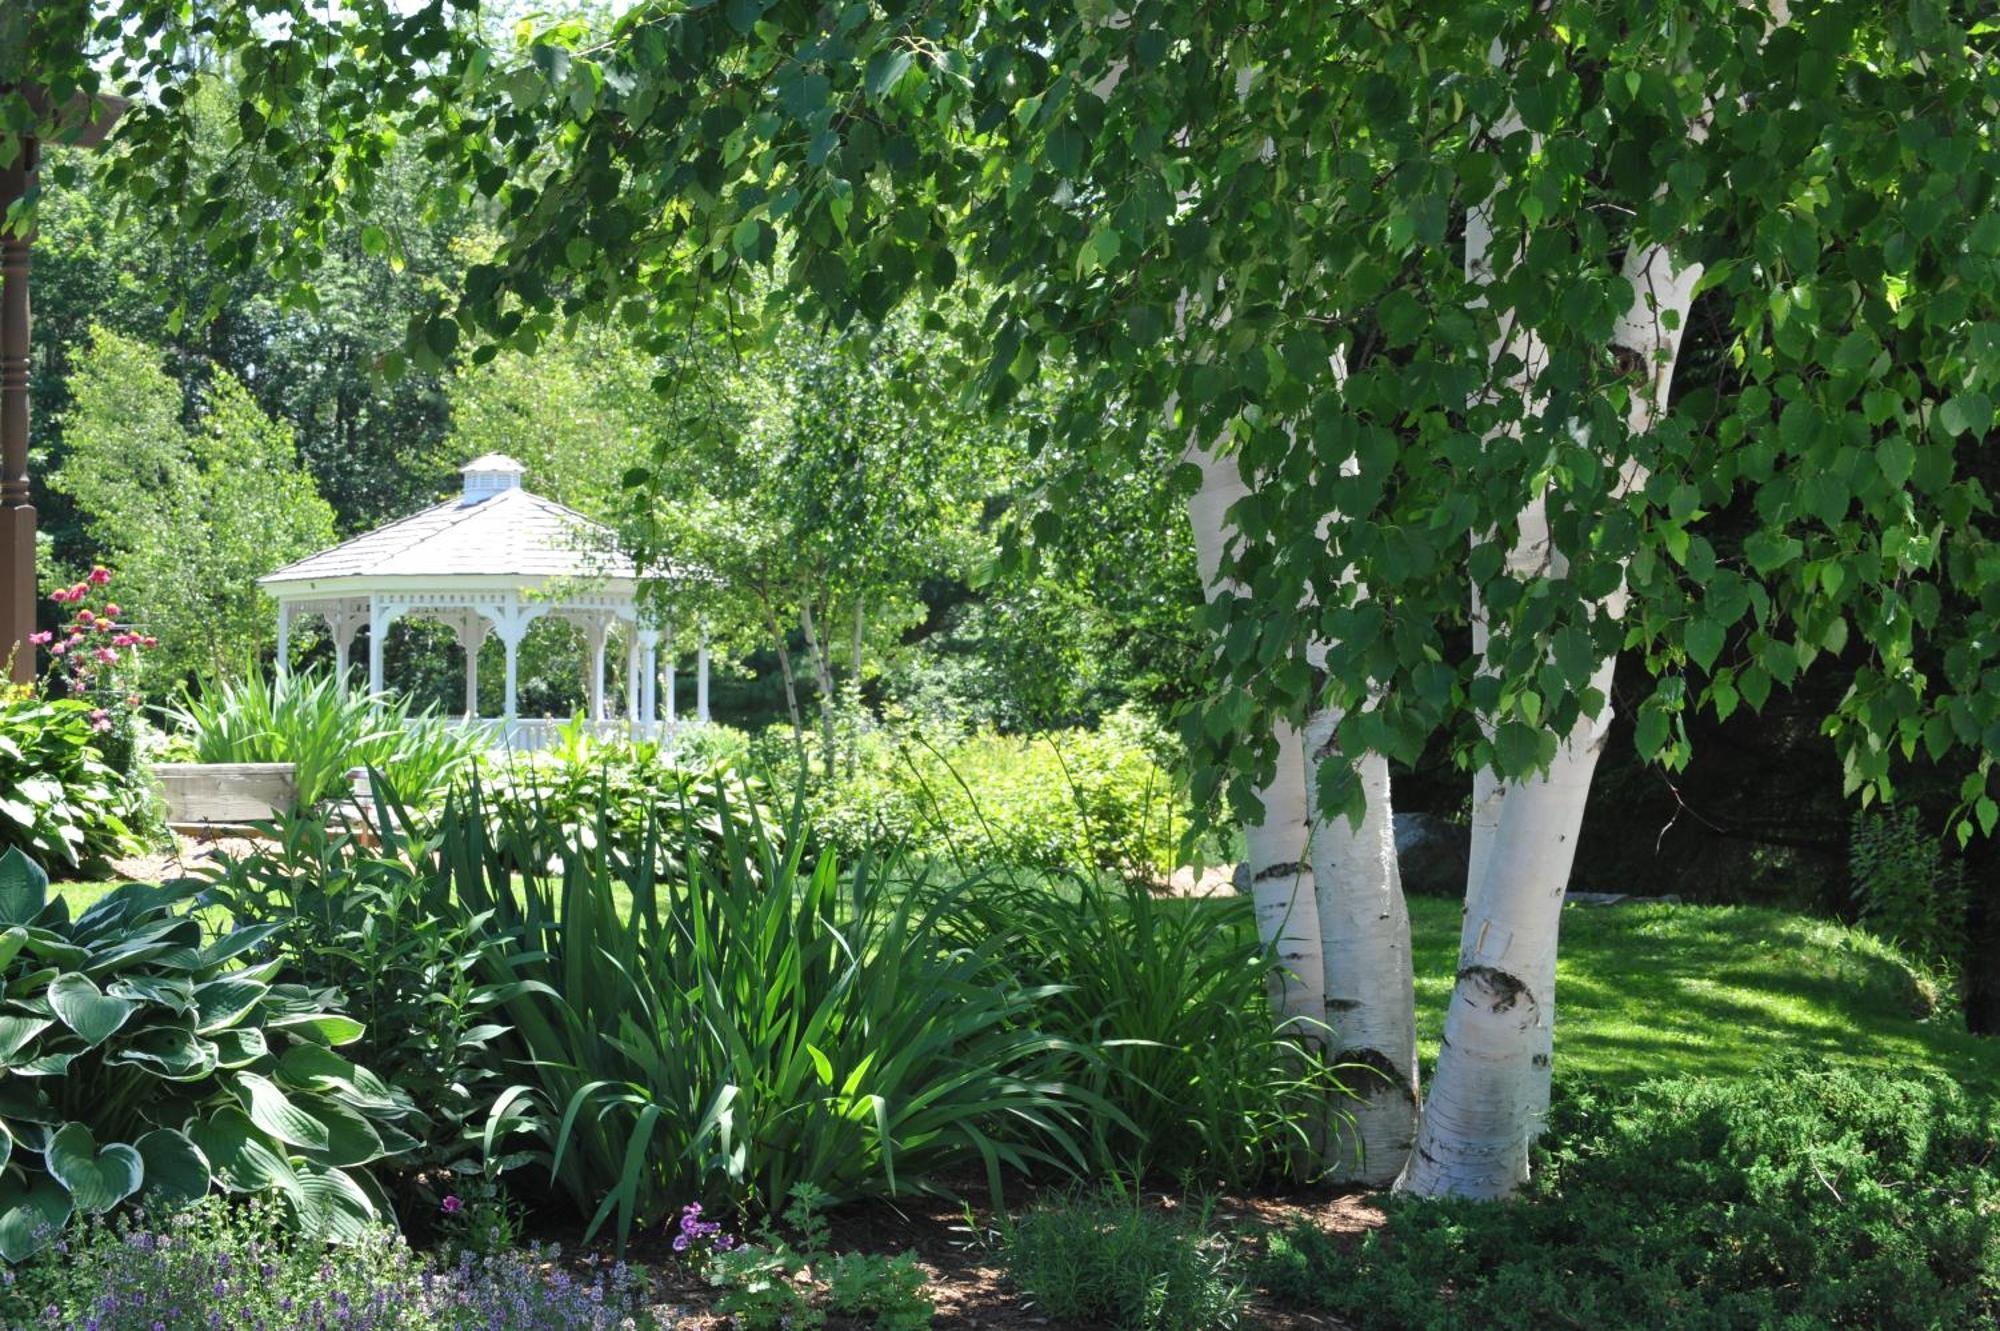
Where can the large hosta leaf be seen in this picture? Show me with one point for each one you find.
(176, 1170)
(273, 1111)
(16, 1033)
(32, 1212)
(240, 1047)
(335, 1206)
(24, 888)
(240, 1156)
(6, 1146)
(224, 1002)
(88, 1010)
(173, 1052)
(351, 1138)
(12, 940)
(97, 1179)
(325, 1028)
(174, 992)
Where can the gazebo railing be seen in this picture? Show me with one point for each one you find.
(531, 734)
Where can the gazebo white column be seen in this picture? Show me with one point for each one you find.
(595, 632)
(701, 682)
(633, 686)
(284, 638)
(471, 637)
(380, 615)
(672, 677)
(649, 701)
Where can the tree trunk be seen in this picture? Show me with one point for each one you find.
(1478, 1118)
(823, 679)
(1491, 1092)
(1281, 885)
(1370, 985)
(791, 682)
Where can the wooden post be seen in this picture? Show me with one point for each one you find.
(82, 122)
(17, 514)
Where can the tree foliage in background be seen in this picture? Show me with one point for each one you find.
(191, 515)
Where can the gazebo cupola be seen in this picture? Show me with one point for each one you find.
(489, 475)
(491, 560)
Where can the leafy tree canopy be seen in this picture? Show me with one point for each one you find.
(1201, 206)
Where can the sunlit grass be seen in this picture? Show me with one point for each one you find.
(1654, 990)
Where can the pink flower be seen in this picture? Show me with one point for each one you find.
(59, 649)
(149, 641)
(99, 576)
(452, 1206)
(41, 639)
(98, 714)
(108, 655)
(112, 611)
(85, 617)
(78, 592)
(74, 639)
(60, 596)
(125, 640)
(101, 726)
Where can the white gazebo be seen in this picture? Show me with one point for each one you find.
(493, 560)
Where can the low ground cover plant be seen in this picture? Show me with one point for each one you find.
(1103, 1257)
(779, 1283)
(238, 1267)
(138, 1060)
(1807, 1196)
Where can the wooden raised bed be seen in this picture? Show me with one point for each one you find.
(206, 794)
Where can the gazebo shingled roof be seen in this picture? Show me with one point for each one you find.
(493, 559)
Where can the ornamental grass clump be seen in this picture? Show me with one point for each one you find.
(326, 729)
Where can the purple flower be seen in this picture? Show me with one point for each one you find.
(452, 1206)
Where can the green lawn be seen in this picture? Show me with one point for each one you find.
(1652, 990)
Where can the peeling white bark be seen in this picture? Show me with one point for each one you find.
(1281, 883)
(1370, 987)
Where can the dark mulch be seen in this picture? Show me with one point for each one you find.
(968, 1283)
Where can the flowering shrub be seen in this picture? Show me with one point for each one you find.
(93, 657)
(215, 1267)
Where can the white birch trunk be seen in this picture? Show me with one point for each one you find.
(1370, 985)
(1490, 1095)
(1281, 884)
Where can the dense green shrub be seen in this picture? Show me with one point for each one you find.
(139, 1059)
(1805, 1198)
(1906, 889)
(1075, 799)
(585, 790)
(1166, 1002)
(1104, 1258)
(59, 800)
(326, 729)
(376, 922)
(751, 1024)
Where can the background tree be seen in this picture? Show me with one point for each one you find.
(190, 516)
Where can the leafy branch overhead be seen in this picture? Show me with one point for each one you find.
(1198, 208)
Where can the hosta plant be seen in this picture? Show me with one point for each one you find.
(140, 1060)
(59, 799)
